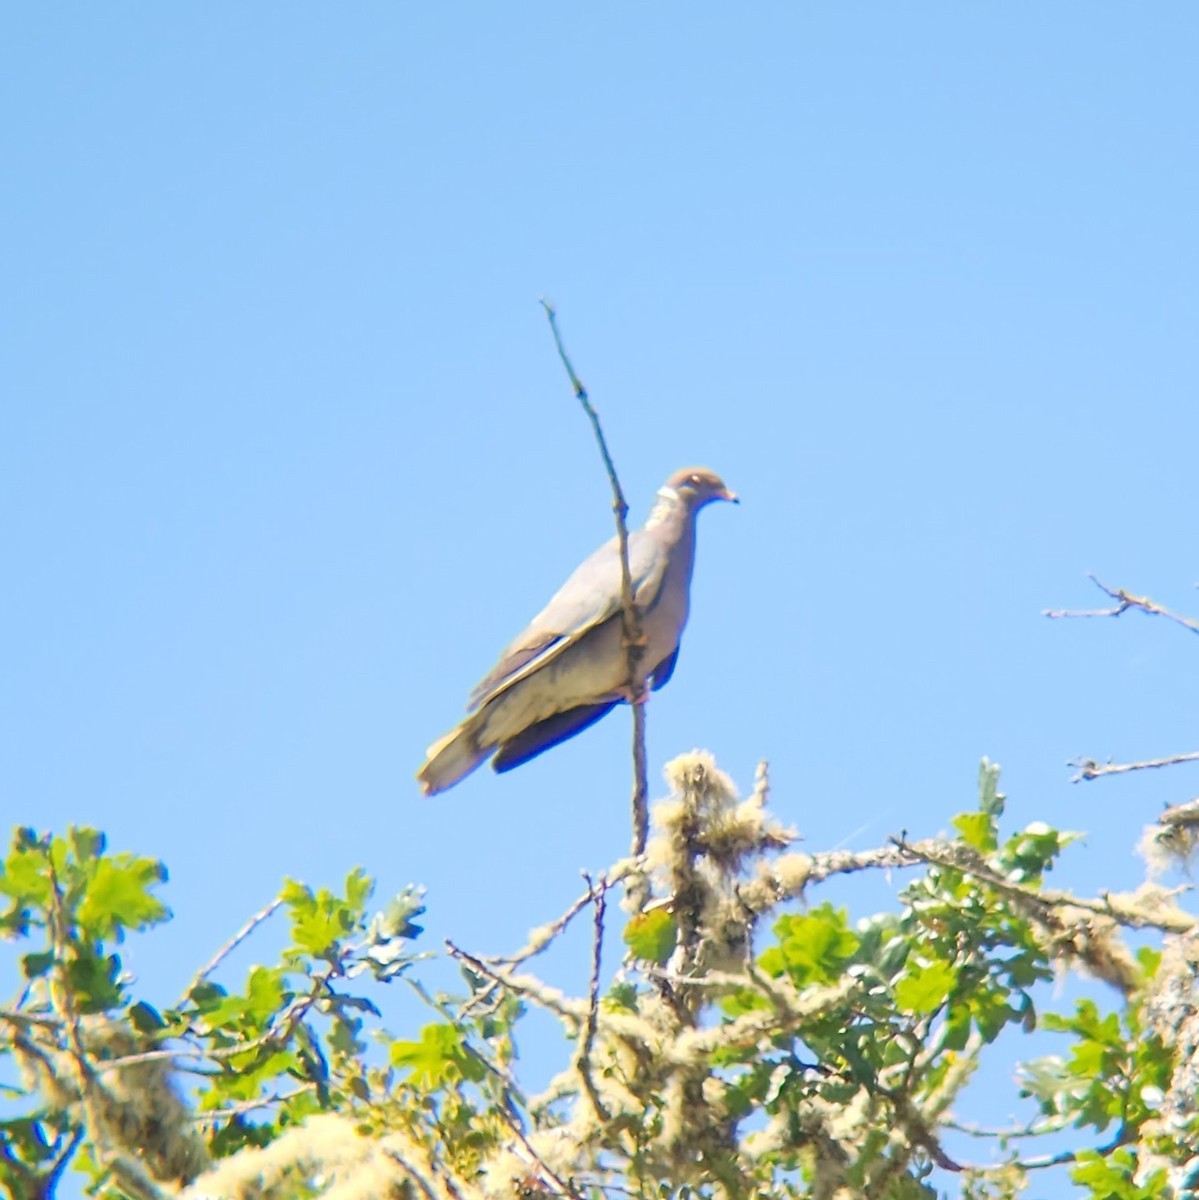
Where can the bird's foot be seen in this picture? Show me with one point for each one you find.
(638, 695)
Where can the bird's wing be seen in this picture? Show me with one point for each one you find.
(661, 674)
(544, 734)
(587, 599)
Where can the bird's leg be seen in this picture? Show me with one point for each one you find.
(638, 695)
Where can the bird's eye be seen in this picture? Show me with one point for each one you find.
(695, 479)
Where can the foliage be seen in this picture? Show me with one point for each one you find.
(745, 1046)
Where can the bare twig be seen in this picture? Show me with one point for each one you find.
(630, 618)
(16, 1017)
(239, 1110)
(1033, 1129)
(427, 1189)
(542, 937)
(547, 1172)
(583, 1059)
(528, 986)
(1123, 1137)
(232, 944)
(1088, 768)
(1124, 601)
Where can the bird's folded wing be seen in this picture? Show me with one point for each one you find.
(587, 599)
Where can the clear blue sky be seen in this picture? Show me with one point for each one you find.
(286, 455)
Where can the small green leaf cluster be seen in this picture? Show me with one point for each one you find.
(101, 1066)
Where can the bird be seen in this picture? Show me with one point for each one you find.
(570, 667)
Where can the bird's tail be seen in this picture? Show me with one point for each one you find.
(452, 758)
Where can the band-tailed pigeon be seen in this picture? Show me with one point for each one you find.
(570, 667)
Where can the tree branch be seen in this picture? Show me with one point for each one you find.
(1088, 768)
(232, 944)
(630, 618)
(1124, 601)
(583, 1059)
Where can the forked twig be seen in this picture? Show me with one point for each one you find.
(1124, 601)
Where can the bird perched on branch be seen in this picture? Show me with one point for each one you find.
(571, 666)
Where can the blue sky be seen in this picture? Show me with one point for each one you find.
(286, 455)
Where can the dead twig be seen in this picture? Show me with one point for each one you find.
(1124, 601)
(634, 641)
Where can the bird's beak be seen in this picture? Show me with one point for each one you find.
(730, 496)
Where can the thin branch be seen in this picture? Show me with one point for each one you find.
(283, 1028)
(232, 944)
(542, 937)
(548, 1172)
(634, 640)
(239, 1110)
(583, 1059)
(528, 986)
(1034, 1129)
(1110, 905)
(16, 1017)
(427, 1189)
(1124, 601)
(1061, 1159)
(1089, 769)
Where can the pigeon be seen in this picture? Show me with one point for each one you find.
(570, 667)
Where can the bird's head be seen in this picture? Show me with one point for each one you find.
(697, 486)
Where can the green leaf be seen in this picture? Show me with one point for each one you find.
(359, 886)
(86, 843)
(93, 976)
(925, 988)
(990, 798)
(1150, 959)
(145, 1018)
(319, 921)
(118, 897)
(264, 992)
(957, 1028)
(977, 830)
(439, 1057)
(25, 877)
(814, 947)
(262, 999)
(652, 936)
(621, 997)
(34, 965)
